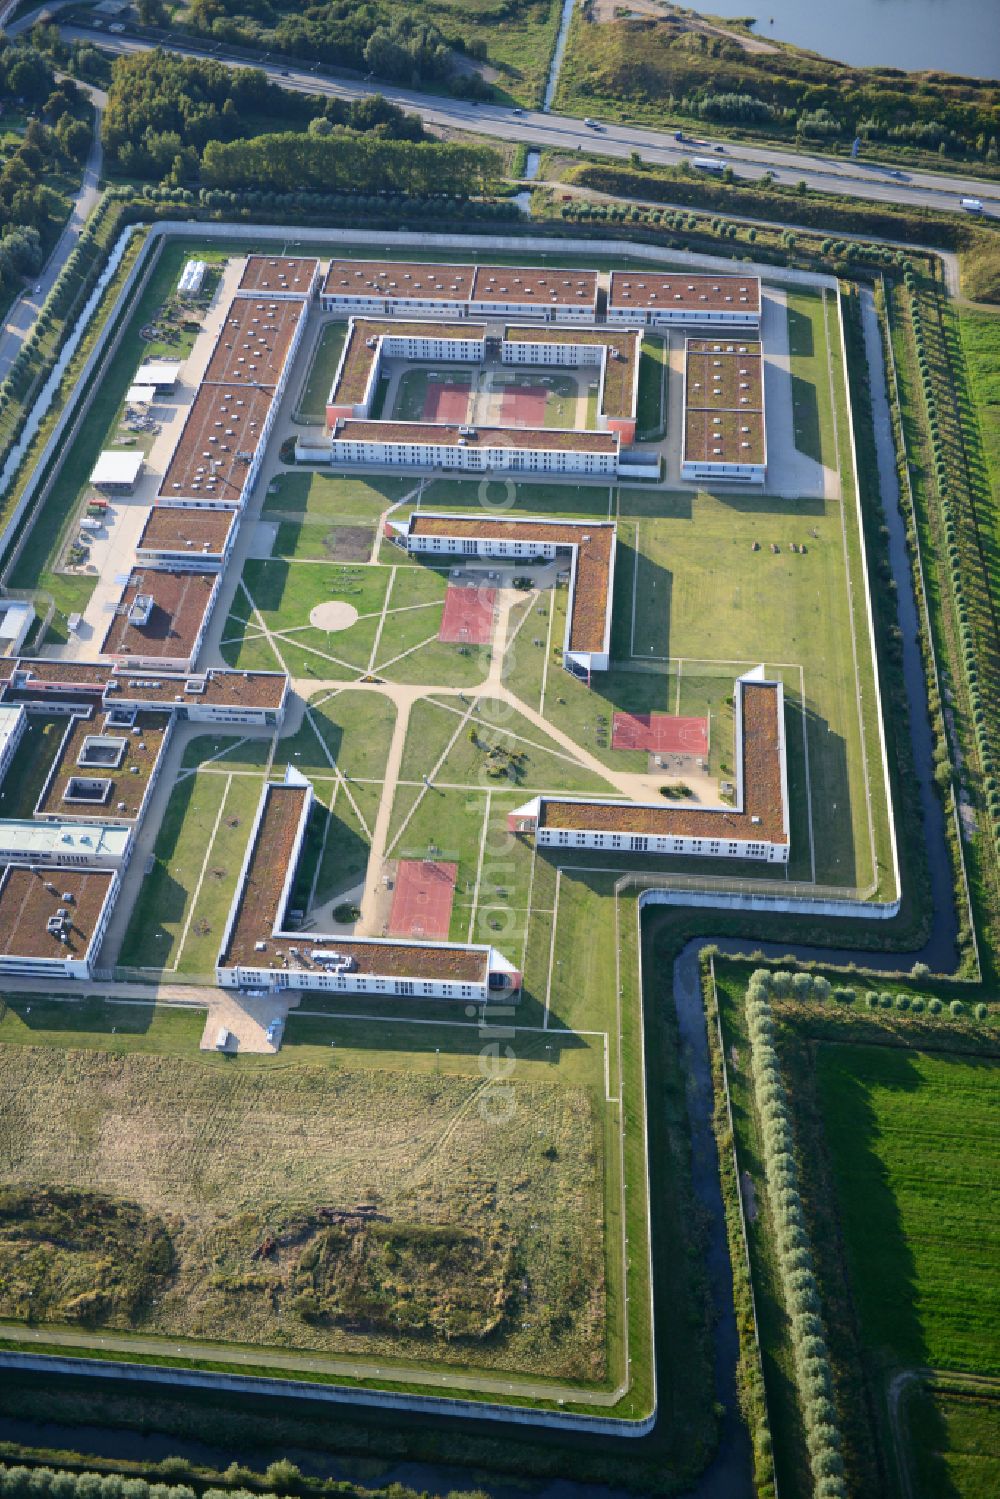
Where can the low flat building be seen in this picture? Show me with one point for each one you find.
(192, 278)
(117, 473)
(421, 445)
(186, 539)
(557, 295)
(50, 686)
(162, 374)
(162, 618)
(725, 437)
(86, 845)
(52, 920)
(614, 352)
(755, 827)
(382, 288)
(16, 619)
(13, 722)
(214, 696)
(588, 548)
(279, 276)
(678, 299)
(259, 951)
(390, 288)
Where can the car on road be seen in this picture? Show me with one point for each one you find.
(518, 111)
(898, 176)
(38, 288)
(720, 148)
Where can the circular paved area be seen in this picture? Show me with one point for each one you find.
(334, 615)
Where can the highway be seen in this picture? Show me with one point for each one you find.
(851, 178)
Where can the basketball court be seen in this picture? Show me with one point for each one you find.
(422, 899)
(447, 401)
(660, 734)
(468, 614)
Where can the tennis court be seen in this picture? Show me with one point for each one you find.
(660, 733)
(468, 614)
(447, 401)
(422, 899)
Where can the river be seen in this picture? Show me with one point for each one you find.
(953, 36)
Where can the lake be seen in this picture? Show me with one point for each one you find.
(951, 36)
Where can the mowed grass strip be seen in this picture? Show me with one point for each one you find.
(322, 368)
(915, 1146)
(205, 828)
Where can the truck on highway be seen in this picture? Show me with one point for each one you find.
(706, 164)
(971, 205)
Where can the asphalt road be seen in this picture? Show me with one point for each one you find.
(535, 128)
(24, 311)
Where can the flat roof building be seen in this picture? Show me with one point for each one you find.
(161, 373)
(589, 547)
(389, 287)
(215, 460)
(185, 538)
(524, 450)
(104, 772)
(52, 920)
(280, 275)
(117, 473)
(86, 845)
(254, 341)
(755, 827)
(665, 299)
(259, 950)
(725, 438)
(162, 616)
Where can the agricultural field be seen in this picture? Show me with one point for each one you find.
(914, 1144)
(895, 1105)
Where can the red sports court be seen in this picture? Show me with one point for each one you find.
(523, 406)
(468, 614)
(447, 401)
(422, 899)
(660, 733)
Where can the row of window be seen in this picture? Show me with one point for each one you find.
(641, 843)
(266, 977)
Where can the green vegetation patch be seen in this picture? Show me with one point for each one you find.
(954, 1438)
(68, 1255)
(915, 1147)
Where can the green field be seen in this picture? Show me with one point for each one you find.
(955, 1442)
(323, 364)
(915, 1148)
(651, 401)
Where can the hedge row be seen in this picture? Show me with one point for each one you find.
(281, 1478)
(950, 516)
(800, 1289)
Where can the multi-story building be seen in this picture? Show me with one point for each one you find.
(262, 952)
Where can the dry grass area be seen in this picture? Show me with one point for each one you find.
(367, 1211)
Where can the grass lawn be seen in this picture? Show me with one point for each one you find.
(814, 434)
(651, 401)
(178, 919)
(915, 1148)
(354, 728)
(322, 368)
(28, 771)
(504, 740)
(324, 516)
(954, 1438)
(563, 500)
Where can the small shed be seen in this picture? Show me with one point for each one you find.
(117, 473)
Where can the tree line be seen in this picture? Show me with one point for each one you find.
(349, 162)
